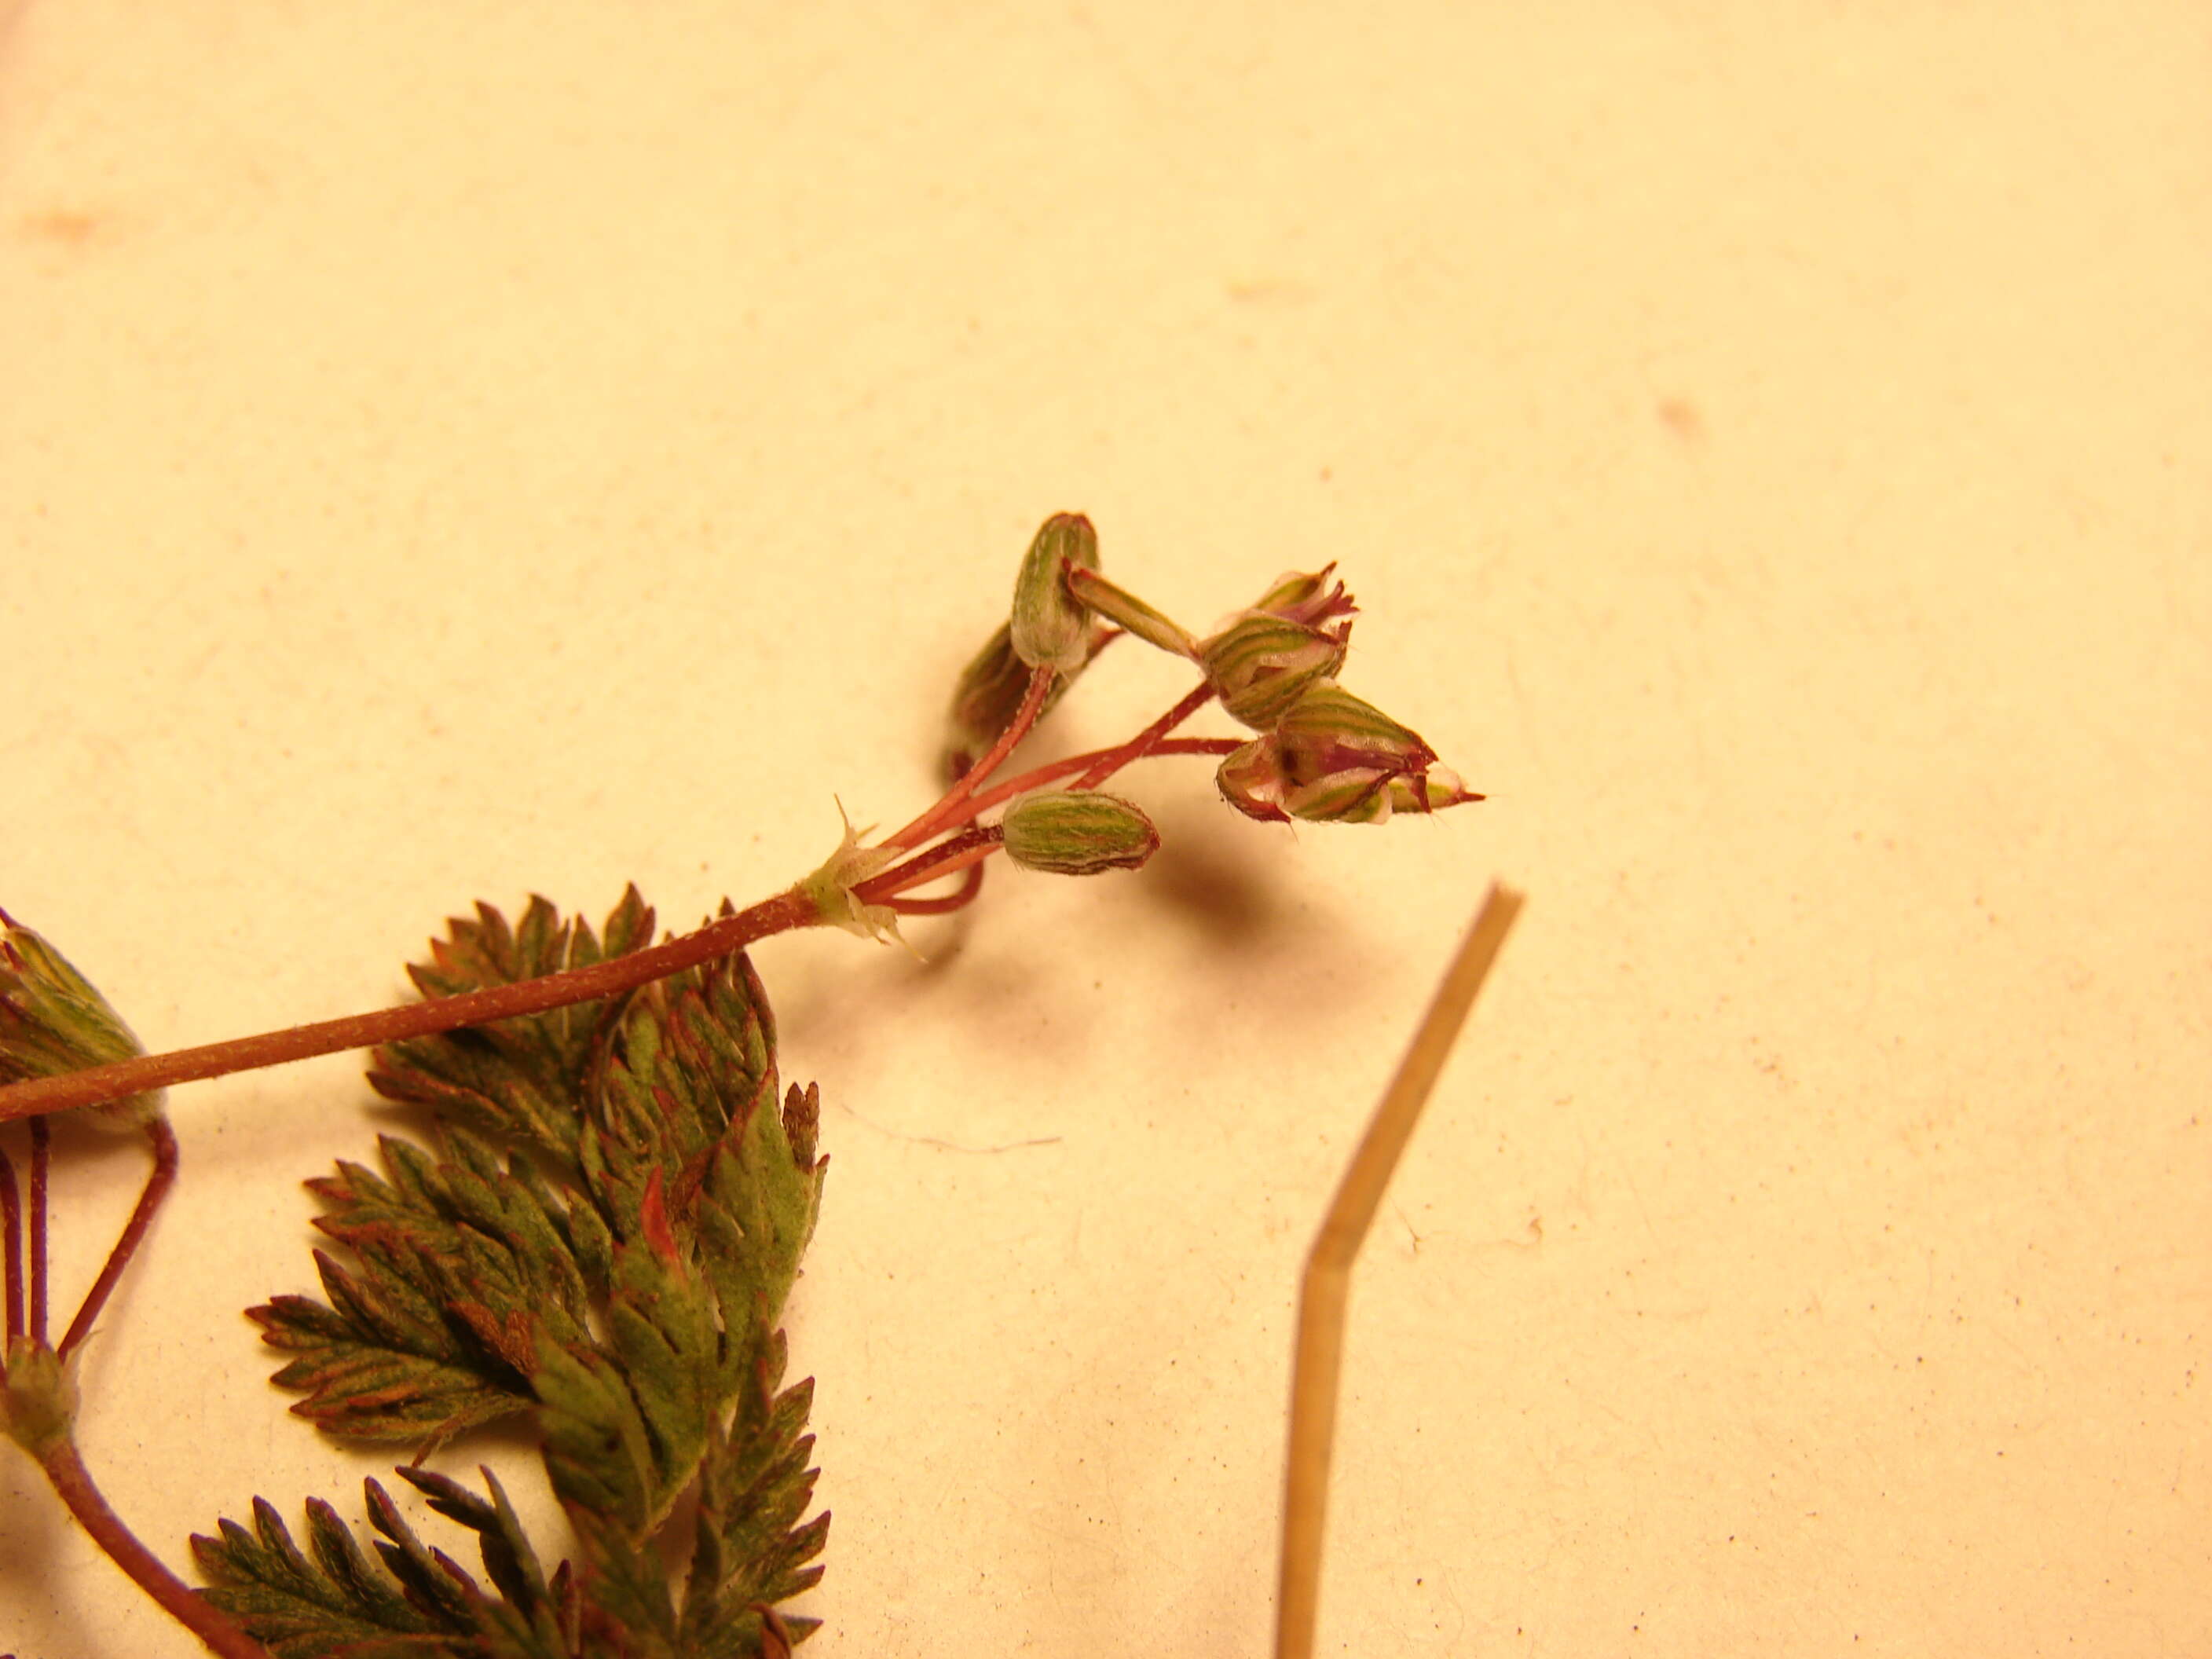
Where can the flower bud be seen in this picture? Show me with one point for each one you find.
(1442, 787)
(988, 695)
(1336, 759)
(1261, 665)
(1308, 599)
(1251, 779)
(1330, 730)
(1256, 780)
(1078, 832)
(52, 1021)
(1051, 630)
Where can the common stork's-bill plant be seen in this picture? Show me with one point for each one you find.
(598, 1238)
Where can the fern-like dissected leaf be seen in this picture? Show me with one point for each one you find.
(519, 1078)
(461, 1265)
(376, 1370)
(603, 1239)
(507, 1555)
(333, 1600)
(711, 1203)
(749, 1550)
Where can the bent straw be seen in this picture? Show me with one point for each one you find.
(1327, 1285)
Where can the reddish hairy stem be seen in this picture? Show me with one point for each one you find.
(970, 847)
(157, 1187)
(1075, 763)
(959, 898)
(11, 1245)
(947, 809)
(531, 996)
(1113, 760)
(97, 1085)
(969, 857)
(73, 1482)
(41, 1165)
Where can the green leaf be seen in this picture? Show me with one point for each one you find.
(710, 1207)
(691, 1085)
(374, 1371)
(339, 1601)
(628, 1600)
(459, 1267)
(411, 1602)
(507, 1555)
(519, 1078)
(602, 1239)
(749, 1549)
(597, 1448)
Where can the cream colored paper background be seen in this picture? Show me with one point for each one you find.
(457, 450)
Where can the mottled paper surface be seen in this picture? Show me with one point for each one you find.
(455, 452)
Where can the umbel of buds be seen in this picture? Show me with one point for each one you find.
(1322, 754)
(1078, 832)
(52, 1021)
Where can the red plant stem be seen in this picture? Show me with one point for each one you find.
(42, 1163)
(969, 857)
(959, 898)
(971, 846)
(38, 1095)
(1097, 764)
(11, 1225)
(1074, 763)
(531, 996)
(157, 1187)
(947, 809)
(73, 1482)
(1112, 761)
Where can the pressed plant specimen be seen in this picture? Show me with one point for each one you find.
(599, 1238)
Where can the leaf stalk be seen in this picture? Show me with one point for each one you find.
(72, 1482)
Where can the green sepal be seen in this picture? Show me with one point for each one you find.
(1261, 665)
